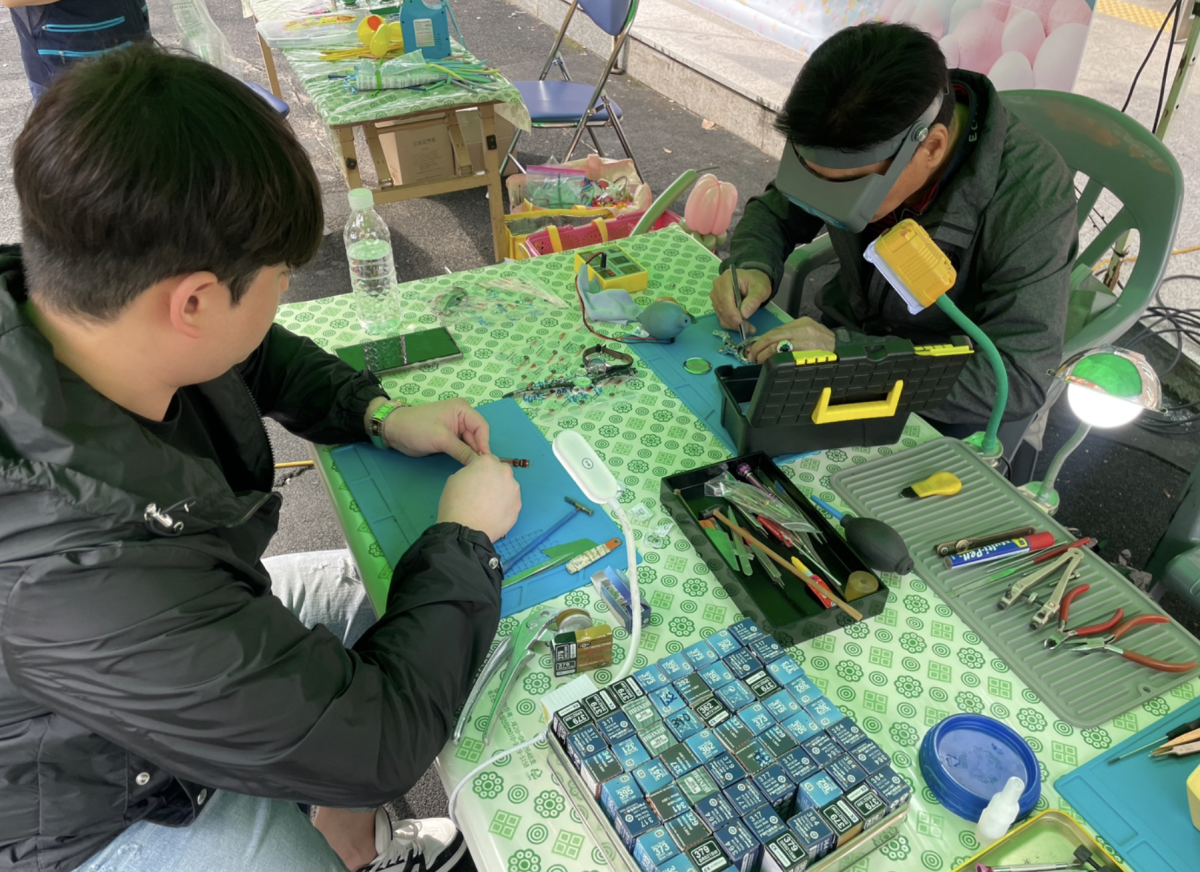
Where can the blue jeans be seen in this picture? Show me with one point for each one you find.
(236, 832)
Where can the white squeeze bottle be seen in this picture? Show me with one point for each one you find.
(372, 268)
(1000, 813)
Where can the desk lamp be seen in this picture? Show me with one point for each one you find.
(921, 274)
(1107, 387)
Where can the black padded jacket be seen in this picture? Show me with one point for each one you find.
(144, 661)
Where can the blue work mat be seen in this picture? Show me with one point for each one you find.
(700, 393)
(398, 496)
(1139, 806)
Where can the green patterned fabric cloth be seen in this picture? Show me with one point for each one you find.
(338, 103)
(896, 675)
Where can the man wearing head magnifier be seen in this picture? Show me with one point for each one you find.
(879, 130)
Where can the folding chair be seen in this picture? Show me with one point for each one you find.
(566, 103)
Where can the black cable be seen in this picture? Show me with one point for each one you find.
(1095, 211)
(1132, 85)
(1162, 87)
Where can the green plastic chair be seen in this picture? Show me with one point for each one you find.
(1175, 563)
(1115, 153)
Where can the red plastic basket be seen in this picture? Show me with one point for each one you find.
(554, 239)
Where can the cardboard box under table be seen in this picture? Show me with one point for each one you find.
(861, 395)
(790, 617)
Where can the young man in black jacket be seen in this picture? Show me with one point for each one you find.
(879, 130)
(160, 708)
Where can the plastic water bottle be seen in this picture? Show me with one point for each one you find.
(372, 269)
(1000, 813)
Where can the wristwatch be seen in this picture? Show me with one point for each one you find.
(597, 366)
(375, 431)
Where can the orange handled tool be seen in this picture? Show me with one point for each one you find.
(1091, 629)
(1106, 644)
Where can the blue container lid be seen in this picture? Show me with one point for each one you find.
(966, 759)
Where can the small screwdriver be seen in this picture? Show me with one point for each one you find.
(737, 301)
(1173, 734)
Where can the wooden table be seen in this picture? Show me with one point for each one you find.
(378, 114)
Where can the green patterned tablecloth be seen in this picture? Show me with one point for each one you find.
(896, 674)
(337, 103)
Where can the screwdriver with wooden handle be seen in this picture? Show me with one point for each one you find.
(1179, 745)
(1181, 730)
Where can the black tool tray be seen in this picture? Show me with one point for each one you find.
(793, 618)
(860, 396)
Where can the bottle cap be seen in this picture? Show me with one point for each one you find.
(361, 198)
(965, 756)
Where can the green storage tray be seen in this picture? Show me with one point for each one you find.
(1085, 690)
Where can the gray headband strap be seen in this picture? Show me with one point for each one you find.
(837, 159)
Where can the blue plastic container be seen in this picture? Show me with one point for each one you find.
(966, 759)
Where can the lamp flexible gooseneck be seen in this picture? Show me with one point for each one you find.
(990, 443)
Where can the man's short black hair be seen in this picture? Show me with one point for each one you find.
(864, 85)
(142, 165)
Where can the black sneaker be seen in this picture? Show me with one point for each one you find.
(429, 845)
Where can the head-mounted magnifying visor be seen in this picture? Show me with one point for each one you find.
(850, 204)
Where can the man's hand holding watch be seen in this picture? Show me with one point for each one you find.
(484, 495)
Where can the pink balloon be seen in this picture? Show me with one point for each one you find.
(1024, 34)
(949, 47)
(710, 206)
(889, 7)
(961, 8)
(943, 9)
(926, 17)
(978, 36)
(1057, 63)
(998, 9)
(728, 202)
(1012, 72)
(1040, 8)
(1069, 12)
(903, 11)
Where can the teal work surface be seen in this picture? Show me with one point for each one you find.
(700, 393)
(398, 496)
(1139, 806)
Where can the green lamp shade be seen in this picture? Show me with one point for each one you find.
(1115, 376)
(1109, 387)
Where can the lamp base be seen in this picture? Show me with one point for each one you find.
(975, 443)
(1044, 496)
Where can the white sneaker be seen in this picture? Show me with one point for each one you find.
(429, 845)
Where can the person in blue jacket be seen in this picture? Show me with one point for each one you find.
(57, 33)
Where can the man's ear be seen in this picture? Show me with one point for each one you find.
(933, 149)
(193, 300)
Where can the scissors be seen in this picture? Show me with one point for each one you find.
(511, 654)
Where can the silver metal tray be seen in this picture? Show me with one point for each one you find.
(613, 849)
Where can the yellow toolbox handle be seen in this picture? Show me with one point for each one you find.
(824, 413)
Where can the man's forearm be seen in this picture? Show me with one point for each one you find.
(9, 4)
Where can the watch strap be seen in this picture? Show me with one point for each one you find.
(375, 431)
